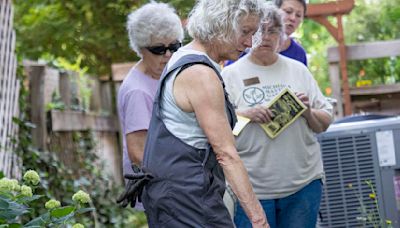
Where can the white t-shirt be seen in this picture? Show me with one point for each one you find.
(277, 167)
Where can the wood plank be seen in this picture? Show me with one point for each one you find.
(36, 75)
(51, 83)
(9, 92)
(329, 8)
(334, 76)
(4, 56)
(374, 90)
(65, 89)
(120, 70)
(3, 162)
(369, 50)
(108, 151)
(79, 121)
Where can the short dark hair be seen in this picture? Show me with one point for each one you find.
(279, 3)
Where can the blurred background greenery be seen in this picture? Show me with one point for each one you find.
(95, 32)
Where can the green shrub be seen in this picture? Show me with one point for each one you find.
(16, 198)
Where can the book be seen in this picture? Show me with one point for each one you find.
(240, 124)
(286, 108)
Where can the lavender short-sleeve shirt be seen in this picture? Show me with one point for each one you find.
(135, 105)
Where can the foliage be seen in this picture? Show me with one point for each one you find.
(384, 26)
(61, 182)
(83, 81)
(369, 211)
(91, 30)
(87, 30)
(370, 20)
(15, 199)
(315, 40)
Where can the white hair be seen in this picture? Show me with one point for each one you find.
(219, 19)
(153, 21)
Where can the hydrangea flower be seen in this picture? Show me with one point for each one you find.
(6, 185)
(81, 197)
(15, 185)
(26, 191)
(32, 177)
(52, 204)
(78, 225)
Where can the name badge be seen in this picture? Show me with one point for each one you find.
(251, 81)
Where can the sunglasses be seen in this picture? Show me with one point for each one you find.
(161, 49)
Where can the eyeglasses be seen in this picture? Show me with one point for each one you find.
(161, 49)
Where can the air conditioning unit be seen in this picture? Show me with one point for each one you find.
(361, 158)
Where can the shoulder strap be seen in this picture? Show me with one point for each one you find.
(183, 63)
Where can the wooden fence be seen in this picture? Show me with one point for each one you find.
(54, 129)
(380, 99)
(9, 91)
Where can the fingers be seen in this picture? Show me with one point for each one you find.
(134, 176)
(262, 114)
(133, 191)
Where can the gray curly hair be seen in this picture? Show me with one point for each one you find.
(219, 19)
(153, 21)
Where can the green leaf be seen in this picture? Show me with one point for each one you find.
(39, 221)
(11, 214)
(62, 220)
(62, 211)
(14, 225)
(24, 200)
(84, 210)
(3, 203)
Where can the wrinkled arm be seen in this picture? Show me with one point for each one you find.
(135, 142)
(317, 120)
(198, 89)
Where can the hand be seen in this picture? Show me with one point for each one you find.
(306, 101)
(258, 114)
(134, 187)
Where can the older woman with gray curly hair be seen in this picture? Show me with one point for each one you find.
(155, 32)
(190, 148)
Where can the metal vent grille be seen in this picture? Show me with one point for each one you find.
(348, 163)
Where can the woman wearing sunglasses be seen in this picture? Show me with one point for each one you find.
(155, 32)
(190, 149)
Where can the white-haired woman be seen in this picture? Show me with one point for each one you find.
(190, 149)
(285, 171)
(155, 32)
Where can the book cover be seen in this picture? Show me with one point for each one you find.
(286, 108)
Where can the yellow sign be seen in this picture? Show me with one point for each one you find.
(362, 83)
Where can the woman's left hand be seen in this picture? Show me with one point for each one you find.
(306, 101)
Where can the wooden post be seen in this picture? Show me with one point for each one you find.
(65, 89)
(343, 67)
(36, 77)
(334, 76)
(95, 98)
(106, 97)
(319, 13)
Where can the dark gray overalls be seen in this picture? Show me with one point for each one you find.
(188, 184)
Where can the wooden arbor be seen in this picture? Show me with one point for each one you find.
(319, 13)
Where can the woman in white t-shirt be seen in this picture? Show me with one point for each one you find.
(285, 171)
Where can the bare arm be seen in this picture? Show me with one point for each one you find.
(199, 90)
(135, 142)
(317, 120)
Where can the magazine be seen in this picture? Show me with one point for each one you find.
(286, 108)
